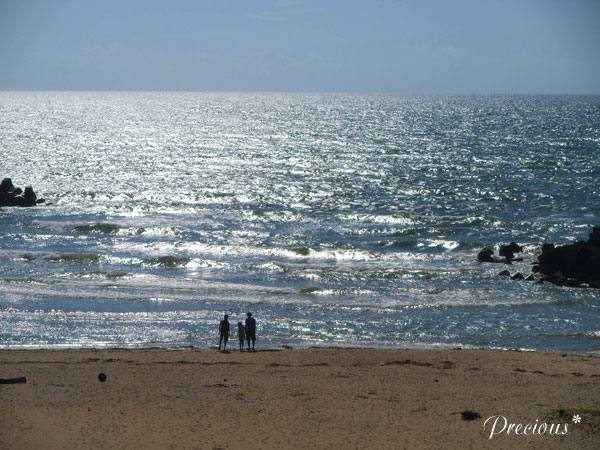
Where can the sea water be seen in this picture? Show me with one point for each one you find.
(338, 220)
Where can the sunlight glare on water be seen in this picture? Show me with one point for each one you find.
(348, 220)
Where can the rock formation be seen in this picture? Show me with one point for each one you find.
(507, 251)
(572, 264)
(12, 196)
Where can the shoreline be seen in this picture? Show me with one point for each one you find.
(290, 398)
(285, 347)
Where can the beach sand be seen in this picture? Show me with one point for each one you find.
(314, 398)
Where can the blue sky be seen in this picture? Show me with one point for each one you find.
(400, 47)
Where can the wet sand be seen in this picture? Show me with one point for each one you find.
(315, 398)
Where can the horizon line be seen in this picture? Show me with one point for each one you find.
(422, 94)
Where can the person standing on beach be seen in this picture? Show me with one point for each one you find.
(224, 329)
(241, 335)
(250, 331)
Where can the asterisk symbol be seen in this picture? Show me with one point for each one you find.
(576, 418)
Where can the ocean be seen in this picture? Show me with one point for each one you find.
(337, 220)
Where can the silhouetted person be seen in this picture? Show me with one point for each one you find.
(241, 335)
(250, 330)
(224, 329)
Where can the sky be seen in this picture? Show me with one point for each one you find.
(400, 47)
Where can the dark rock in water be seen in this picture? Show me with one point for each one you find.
(11, 196)
(591, 265)
(6, 185)
(517, 276)
(572, 264)
(547, 248)
(508, 251)
(530, 278)
(29, 195)
(594, 239)
(486, 255)
(504, 273)
(560, 281)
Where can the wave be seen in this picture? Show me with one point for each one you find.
(461, 220)
(220, 194)
(337, 254)
(199, 249)
(430, 243)
(313, 290)
(412, 272)
(379, 219)
(409, 232)
(106, 228)
(105, 274)
(76, 257)
(81, 258)
(303, 251)
(168, 261)
(23, 280)
(580, 335)
(398, 244)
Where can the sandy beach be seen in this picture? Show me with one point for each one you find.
(315, 398)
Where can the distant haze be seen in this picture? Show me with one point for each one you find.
(399, 47)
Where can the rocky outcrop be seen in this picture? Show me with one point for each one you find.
(14, 196)
(572, 264)
(507, 251)
(486, 255)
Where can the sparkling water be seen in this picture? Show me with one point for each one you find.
(338, 220)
